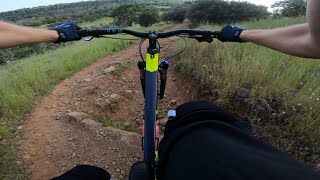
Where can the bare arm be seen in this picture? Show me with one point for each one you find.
(299, 40)
(13, 35)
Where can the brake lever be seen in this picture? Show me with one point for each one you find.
(88, 38)
(202, 38)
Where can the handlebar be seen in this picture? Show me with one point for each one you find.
(151, 35)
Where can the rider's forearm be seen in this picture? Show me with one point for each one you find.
(13, 35)
(294, 40)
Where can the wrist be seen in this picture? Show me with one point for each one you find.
(244, 35)
(53, 36)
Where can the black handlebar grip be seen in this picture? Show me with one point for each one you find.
(82, 33)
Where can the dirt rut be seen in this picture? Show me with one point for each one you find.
(107, 91)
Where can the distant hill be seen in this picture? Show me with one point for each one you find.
(70, 12)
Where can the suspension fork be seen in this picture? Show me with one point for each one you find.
(163, 68)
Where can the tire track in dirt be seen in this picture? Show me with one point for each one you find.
(54, 144)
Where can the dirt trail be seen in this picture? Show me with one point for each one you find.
(108, 89)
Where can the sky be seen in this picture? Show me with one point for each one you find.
(7, 5)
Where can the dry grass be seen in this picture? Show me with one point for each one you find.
(290, 85)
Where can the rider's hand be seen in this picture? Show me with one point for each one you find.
(67, 32)
(231, 33)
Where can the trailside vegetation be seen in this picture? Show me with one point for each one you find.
(290, 8)
(279, 93)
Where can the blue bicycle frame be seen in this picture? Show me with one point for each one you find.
(149, 76)
(151, 98)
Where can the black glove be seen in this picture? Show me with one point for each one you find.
(231, 33)
(67, 32)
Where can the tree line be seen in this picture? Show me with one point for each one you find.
(216, 12)
(290, 8)
(222, 12)
(70, 12)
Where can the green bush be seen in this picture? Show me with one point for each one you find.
(148, 17)
(126, 14)
(175, 14)
(290, 8)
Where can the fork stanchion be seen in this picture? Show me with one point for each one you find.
(142, 70)
(163, 69)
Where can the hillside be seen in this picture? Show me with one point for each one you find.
(70, 12)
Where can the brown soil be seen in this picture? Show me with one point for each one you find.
(54, 144)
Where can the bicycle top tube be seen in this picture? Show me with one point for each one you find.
(112, 31)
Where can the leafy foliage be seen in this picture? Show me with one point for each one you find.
(290, 8)
(219, 11)
(148, 17)
(176, 14)
(143, 14)
(127, 14)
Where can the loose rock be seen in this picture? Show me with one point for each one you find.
(100, 77)
(163, 122)
(87, 80)
(27, 157)
(128, 94)
(20, 127)
(91, 122)
(126, 124)
(242, 93)
(88, 89)
(102, 103)
(173, 102)
(109, 69)
(77, 116)
(114, 96)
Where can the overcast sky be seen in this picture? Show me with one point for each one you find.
(7, 5)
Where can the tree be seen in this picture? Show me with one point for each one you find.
(148, 17)
(176, 14)
(290, 8)
(127, 14)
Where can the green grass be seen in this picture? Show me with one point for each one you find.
(119, 124)
(104, 21)
(97, 22)
(25, 81)
(119, 70)
(290, 83)
(45, 26)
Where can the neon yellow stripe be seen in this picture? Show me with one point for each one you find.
(157, 156)
(152, 62)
